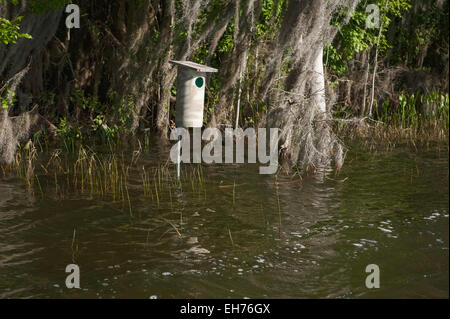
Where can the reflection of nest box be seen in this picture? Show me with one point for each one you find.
(190, 93)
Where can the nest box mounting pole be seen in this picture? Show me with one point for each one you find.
(178, 156)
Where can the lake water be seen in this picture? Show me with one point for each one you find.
(301, 239)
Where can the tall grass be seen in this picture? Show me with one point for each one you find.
(414, 119)
(105, 176)
(415, 110)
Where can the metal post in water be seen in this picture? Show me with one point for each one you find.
(178, 157)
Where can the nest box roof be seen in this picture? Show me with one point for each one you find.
(194, 66)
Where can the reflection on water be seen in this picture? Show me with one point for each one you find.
(313, 239)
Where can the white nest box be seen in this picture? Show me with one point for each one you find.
(190, 93)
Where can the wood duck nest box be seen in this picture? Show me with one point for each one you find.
(190, 93)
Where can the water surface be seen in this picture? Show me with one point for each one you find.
(312, 240)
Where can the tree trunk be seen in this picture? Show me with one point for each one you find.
(299, 110)
(318, 82)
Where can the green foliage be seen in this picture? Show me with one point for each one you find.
(100, 125)
(106, 119)
(8, 100)
(125, 109)
(437, 106)
(202, 54)
(408, 116)
(412, 110)
(9, 31)
(42, 6)
(226, 42)
(87, 103)
(343, 111)
(68, 134)
(428, 28)
(155, 37)
(335, 60)
(270, 18)
(210, 14)
(354, 37)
